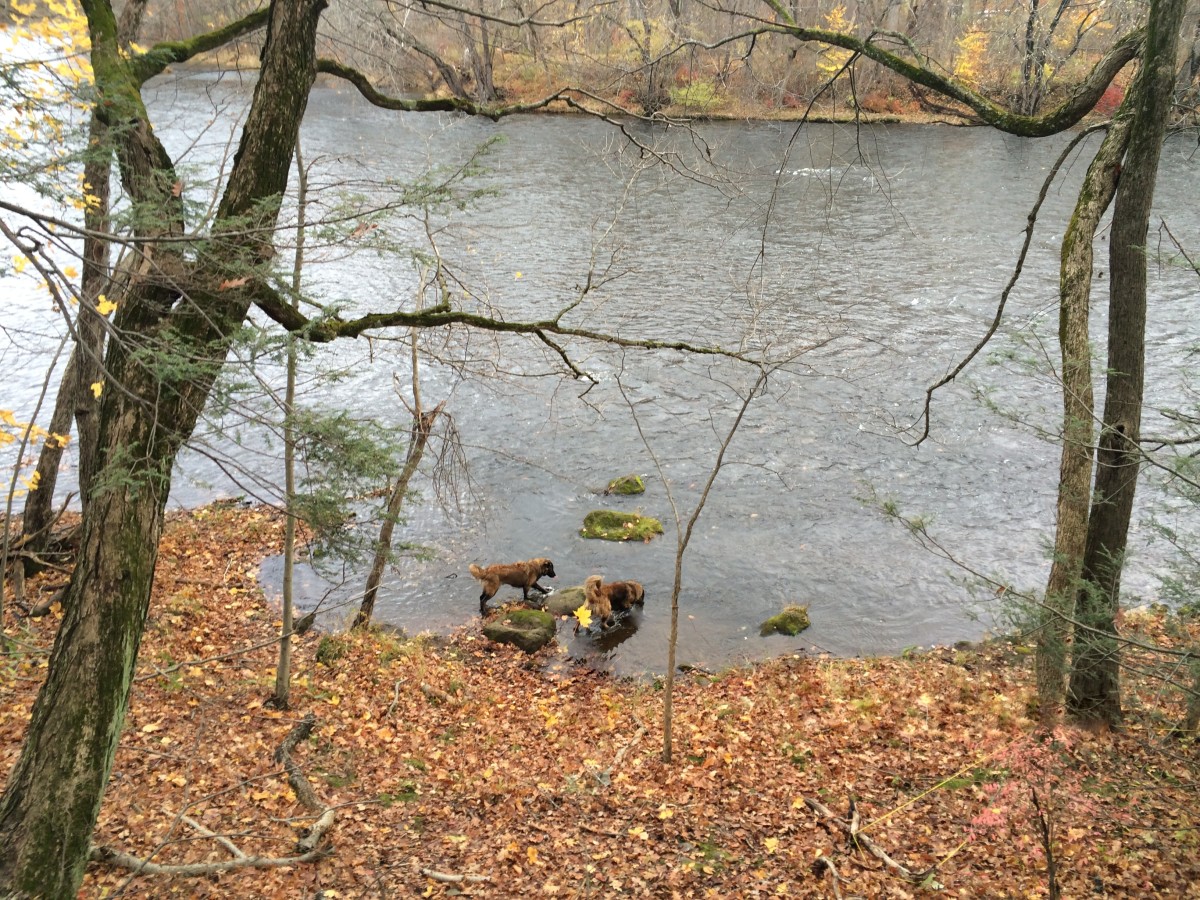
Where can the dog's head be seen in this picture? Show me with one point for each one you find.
(543, 566)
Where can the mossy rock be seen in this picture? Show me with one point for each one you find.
(610, 525)
(626, 484)
(529, 629)
(792, 621)
(565, 601)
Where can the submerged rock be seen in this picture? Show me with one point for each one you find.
(529, 629)
(626, 484)
(565, 601)
(611, 525)
(792, 621)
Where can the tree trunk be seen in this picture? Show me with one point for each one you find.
(53, 793)
(84, 367)
(1094, 696)
(1075, 471)
(421, 428)
(283, 671)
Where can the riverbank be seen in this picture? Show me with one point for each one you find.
(457, 757)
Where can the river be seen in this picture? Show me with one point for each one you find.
(866, 262)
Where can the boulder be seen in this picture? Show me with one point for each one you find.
(565, 601)
(529, 629)
(792, 621)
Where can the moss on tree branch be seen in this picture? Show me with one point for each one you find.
(1080, 101)
(146, 65)
(325, 330)
(439, 104)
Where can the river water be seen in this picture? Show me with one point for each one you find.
(865, 263)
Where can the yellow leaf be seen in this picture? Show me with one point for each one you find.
(97, 389)
(70, 271)
(334, 701)
(664, 812)
(104, 306)
(531, 852)
(584, 615)
(19, 264)
(771, 844)
(518, 276)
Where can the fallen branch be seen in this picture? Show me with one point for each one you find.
(616, 763)
(141, 866)
(455, 879)
(306, 848)
(434, 694)
(859, 839)
(395, 696)
(299, 783)
(825, 863)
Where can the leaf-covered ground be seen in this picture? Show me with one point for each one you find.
(462, 758)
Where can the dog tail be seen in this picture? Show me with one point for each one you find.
(475, 570)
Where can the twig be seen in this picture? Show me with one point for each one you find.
(448, 878)
(395, 696)
(1031, 221)
(219, 838)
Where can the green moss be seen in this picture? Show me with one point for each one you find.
(331, 648)
(610, 525)
(792, 621)
(529, 629)
(626, 484)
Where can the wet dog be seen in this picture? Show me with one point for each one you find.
(524, 575)
(604, 599)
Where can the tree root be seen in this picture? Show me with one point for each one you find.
(308, 848)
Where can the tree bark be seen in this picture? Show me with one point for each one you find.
(53, 793)
(1075, 470)
(1094, 695)
(421, 428)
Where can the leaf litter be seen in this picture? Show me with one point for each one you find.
(455, 767)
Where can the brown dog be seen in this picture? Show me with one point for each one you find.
(603, 599)
(524, 575)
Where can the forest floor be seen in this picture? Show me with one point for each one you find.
(442, 760)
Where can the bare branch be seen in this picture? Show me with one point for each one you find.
(525, 21)
(1012, 281)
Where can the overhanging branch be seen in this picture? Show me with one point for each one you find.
(158, 57)
(438, 104)
(323, 331)
(1078, 103)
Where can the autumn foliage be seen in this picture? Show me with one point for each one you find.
(456, 757)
